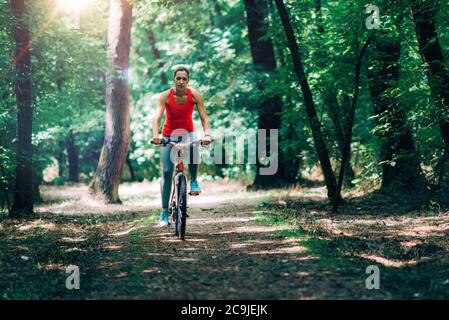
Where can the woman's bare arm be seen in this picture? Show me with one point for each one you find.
(202, 112)
(160, 108)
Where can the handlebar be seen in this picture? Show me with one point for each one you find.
(165, 141)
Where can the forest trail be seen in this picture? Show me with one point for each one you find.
(234, 249)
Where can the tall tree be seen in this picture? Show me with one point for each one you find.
(423, 13)
(61, 158)
(270, 108)
(330, 97)
(290, 149)
(72, 157)
(400, 166)
(320, 145)
(23, 193)
(69, 144)
(130, 167)
(157, 56)
(117, 132)
(350, 116)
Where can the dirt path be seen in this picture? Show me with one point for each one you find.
(230, 253)
(233, 250)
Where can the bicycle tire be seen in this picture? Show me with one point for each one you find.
(182, 206)
(174, 213)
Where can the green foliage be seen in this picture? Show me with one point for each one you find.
(69, 65)
(7, 111)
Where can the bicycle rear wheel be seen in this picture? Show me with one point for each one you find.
(181, 206)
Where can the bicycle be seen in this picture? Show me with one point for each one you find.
(178, 204)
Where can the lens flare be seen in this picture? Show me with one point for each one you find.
(71, 5)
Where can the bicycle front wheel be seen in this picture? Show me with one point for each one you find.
(181, 205)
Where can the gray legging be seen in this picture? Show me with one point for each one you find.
(168, 164)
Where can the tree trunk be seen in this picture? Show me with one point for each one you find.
(5, 187)
(290, 150)
(216, 14)
(117, 132)
(73, 158)
(320, 145)
(23, 192)
(157, 56)
(440, 168)
(130, 166)
(349, 119)
(37, 181)
(329, 96)
(319, 17)
(400, 166)
(270, 108)
(61, 159)
(423, 14)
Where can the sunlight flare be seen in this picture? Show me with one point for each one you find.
(71, 5)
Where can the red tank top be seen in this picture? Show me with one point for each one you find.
(178, 116)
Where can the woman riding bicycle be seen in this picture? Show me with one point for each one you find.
(179, 102)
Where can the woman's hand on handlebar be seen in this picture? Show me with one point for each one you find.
(205, 141)
(156, 141)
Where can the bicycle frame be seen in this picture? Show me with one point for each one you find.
(177, 214)
(179, 171)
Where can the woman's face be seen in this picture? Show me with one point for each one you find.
(181, 80)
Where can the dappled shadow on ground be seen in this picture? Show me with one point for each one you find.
(269, 245)
(230, 253)
(409, 245)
